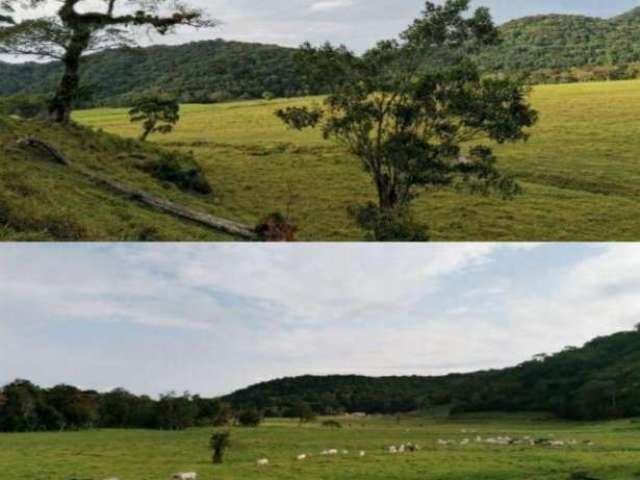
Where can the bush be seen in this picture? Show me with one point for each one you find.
(250, 418)
(24, 106)
(181, 170)
(388, 225)
(582, 475)
(331, 424)
(219, 442)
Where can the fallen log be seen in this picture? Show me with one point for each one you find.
(227, 226)
(219, 224)
(46, 148)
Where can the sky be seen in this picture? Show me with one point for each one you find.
(213, 318)
(357, 23)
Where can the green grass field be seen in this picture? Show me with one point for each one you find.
(580, 169)
(154, 455)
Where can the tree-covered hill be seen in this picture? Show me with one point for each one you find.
(195, 72)
(212, 71)
(599, 380)
(564, 41)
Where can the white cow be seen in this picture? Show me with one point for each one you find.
(263, 462)
(333, 451)
(303, 456)
(186, 476)
(392, 449)
(362, 453)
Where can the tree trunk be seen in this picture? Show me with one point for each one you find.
(62, 103)
(387, 195)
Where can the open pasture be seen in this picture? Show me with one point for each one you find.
(155, 455)
(580, 169)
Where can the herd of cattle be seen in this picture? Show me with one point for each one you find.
(411, 447)
(506, 440)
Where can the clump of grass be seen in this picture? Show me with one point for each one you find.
(54, 226)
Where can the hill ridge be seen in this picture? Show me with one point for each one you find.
(577, 383)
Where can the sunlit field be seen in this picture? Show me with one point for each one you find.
(608, 450)
(580, 169)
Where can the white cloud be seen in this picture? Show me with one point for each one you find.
(211, 318)
(330, 5)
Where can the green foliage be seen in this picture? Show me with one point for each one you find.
(218, 443)
(331, 424)
(179, 169)
(158, 114)
(565, 41)
(249, 417)
(24, 105)
(304, 412)
(599, 381)
(389, 224)
(407, 108)
(201, 72)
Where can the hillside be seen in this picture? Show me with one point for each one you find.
(218, 70)
(564, 41)
(43, 200)
(195, 72)
(599, 380)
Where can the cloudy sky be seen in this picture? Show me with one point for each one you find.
(212, 318)
(356, 23)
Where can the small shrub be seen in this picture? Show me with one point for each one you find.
(388, 225)
(62, 228)
(24, 106)
(250, 417)
(219, 442)
(582, 475)
(181, 170)
(276, 228)
(331, 424)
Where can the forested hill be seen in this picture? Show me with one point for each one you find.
(599, 380)
(208, 71)
(219, 70)
(563, 41)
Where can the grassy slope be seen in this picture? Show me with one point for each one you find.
(580, 170)
(45, 201)
(149, 455)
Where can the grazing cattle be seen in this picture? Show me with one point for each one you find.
(333, 451)
(362, 453)
(304, 456)
(186, 476)
(263, 462)
(392, 449)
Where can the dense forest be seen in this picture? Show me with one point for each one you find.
(564, 41)
(199, 72)
(598, 381)
(548, 49)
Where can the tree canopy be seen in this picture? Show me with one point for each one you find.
(77, 29)
(410, 109)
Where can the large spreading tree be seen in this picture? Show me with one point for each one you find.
(417, 112)
(80, 27)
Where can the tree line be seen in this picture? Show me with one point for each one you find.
(25, 407)
(598, 381)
